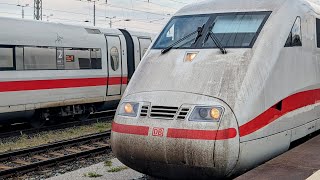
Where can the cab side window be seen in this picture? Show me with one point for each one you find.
(318, 32)
(295, 36)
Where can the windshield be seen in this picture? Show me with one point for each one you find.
(180, 27)
(233, 30)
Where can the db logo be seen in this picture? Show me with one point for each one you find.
(158, 132)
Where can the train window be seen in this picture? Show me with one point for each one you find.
(77, 58)
(40, 58)
(235, 30)
(6, 58)
(318, 32)
(19, 57)
(114, 56)
(84, 63)
(96, 59)
(294, 38)
(179, 28)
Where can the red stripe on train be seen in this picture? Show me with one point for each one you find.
(202, 134)
(30, 85)
(289, 104)
(177, 133)
(130, 129)
(124, 80)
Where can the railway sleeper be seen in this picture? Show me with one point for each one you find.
(4, 167)
(72, 150)
(40, 157)
(21, 162)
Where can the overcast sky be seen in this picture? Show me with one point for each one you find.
(130, 14)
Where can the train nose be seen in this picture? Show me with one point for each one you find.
(177, 148)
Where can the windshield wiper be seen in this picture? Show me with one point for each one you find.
(215, 40)
(199, 34)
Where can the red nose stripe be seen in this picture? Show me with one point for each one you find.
(202, 134)
(129, 129)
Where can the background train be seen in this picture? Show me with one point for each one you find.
(226, 86)
(50, 70)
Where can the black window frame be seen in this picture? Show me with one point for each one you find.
(13, 68)
(213, 16)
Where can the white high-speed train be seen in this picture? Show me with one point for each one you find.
(226, 86)
(50, 70)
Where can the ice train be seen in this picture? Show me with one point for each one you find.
(226, 86)
(56, 71)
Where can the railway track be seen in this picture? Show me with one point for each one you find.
(16, 163)
(101, 117)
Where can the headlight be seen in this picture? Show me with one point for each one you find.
(129, 109)
(206, 113)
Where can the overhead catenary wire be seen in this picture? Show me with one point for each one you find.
(110, 5)
(55, 10)
(153, 15)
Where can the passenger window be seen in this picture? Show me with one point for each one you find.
(96, 59)
(114, 56)
(40, 58)
(295, 36)
(6, 58)
(77, 58)
(84, 63)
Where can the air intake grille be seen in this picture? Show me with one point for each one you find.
(163, 112)
(183, 114)
(93, 31)
(144, 111)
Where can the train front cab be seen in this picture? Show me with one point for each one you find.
(166, 138)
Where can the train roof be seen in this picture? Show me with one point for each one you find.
(31, 32)
(102, 30)
(218, 6)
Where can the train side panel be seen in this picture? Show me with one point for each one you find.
(51, 65)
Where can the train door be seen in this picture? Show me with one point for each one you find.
(114, 65)
(317, 53)
(130, 54)
(144, 45)
(137, 57)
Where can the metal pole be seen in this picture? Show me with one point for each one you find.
(22, 12)
(41, 10)
(38, 9)
(94, 13)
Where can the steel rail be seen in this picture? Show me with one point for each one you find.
(24, 166)
(60, 126)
